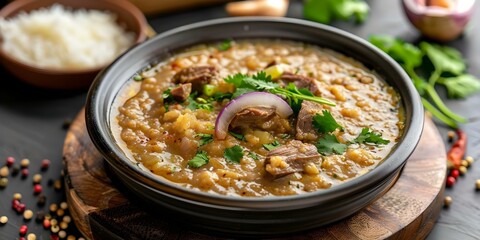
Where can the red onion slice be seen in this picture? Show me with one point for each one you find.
(251, 99)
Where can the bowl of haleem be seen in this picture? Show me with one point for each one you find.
(64, 44)
(255, 126)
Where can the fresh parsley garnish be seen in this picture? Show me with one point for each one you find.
(271, 146)
(263, 82)
(367, 136)
(195, 103)
(325, 123)
(253, 155)
(199, 160)
(204, 138)
(233, 154)
(237, 136)
(448, 70)
(225, 45)
(325, 11)
(328, 144)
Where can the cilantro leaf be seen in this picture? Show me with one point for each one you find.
(325, 123)
(241, 91)
(271, 146)
(406, 54)
(237, 136)
(199, 160)
(233, 154)
(328, 144)
(204, 138)
(253, 155)
(367, 136)
(325, 11)
(461, 86)
(225, 45)
(219, 96)
(444, 59)
(195, 103)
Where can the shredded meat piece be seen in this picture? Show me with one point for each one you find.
(301, 82)
(304, 128)
(197, 76)
(257, 117)
(290, 158)
(181, 92)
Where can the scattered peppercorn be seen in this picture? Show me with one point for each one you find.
(37, 178)
(60, 212)
(46, 223)
(54, 228)
(45, 164)
(465, 163)
(67, 219)
(54, 237)
(71, 237)
(3, 220)
(23, 230)
(447, 202)
(9, 161)
(455, 173)
(63, 225)
(4, 171)
(63, 205)
(25, 172)
(27, 215)
(15, 171)
(50, 182)
(477, 184)
(53, 222)
(62, 234)
(3, 182)
(37, 189)
(41, 200)
(40, 217)
(451, 135)
(57, 185)
(20, 208)
(463, 170)
(470, 160)
(17, 196)
(31, 236)
(450, 181)
(53, 207)
(24, 163)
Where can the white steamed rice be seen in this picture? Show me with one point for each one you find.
(59, 38)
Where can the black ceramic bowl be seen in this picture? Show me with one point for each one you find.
(251, 216)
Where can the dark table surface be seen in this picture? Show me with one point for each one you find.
(31, 120)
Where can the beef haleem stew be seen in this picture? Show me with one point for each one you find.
(258, 118)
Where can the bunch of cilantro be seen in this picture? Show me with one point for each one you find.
(448, 70)
(325, 11)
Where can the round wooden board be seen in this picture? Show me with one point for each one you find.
(101, 209)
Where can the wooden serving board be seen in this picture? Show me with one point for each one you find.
(101, 209)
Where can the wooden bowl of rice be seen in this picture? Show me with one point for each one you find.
(64, 44)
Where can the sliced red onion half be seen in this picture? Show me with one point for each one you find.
(251, 99)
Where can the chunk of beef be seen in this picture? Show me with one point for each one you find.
(304, 128)
(197, 76)
(181, 92)
(290, 158)
(256, 117)
(301, 82)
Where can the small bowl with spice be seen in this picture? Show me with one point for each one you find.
(255, 126)
(64, 44)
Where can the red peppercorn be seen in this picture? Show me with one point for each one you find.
(23, 230)
(54, 237)
(20, 208)
(25, 172)
(45, 164)
(46, 224)
(22, 238)
(15, 203)
(37, 188)
(10, 161)
(455, 173)
(450, 181)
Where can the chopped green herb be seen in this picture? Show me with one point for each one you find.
(448, 69)
(263, 82)
(367, 136)
(271, 146)
(233, 154)
(225, 45)
(204, 138)
(325, 123)
(199, 160)
(209, 89)
(195, 103)
(137, 78)
(253, 155)
(325, 11)
(219, 96)
(284, 135)
(237, 136)
(328, 144)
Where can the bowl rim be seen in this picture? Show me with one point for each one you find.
(118, 160)
(18, 5)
